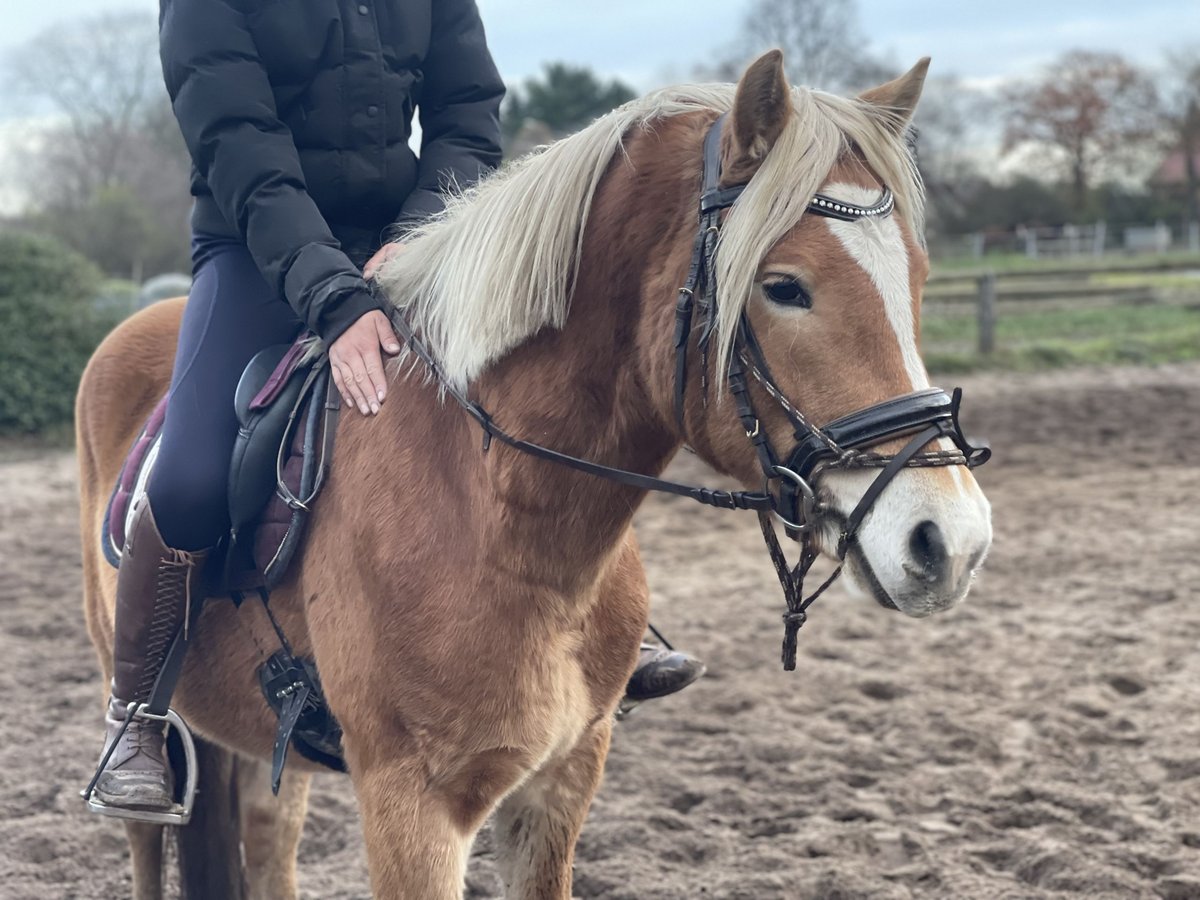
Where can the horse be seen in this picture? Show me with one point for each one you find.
(475, 611)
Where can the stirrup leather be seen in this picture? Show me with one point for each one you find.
(179, 813)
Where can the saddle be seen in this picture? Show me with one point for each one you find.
(287, 409)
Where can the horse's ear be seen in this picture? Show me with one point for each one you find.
(899, 97)
(761, 109)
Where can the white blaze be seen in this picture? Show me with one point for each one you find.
(962, 514)
(877, 246)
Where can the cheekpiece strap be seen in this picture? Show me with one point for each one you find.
(720, 198)
(713, 197)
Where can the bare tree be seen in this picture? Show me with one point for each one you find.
(1181, 109)
(101, 75)
(112, 151)
(952, 125)
(821, 41)
(1095, 109)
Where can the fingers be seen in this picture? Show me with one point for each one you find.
(386, 252)
(341, 385)
(375, 381)
(361, 381)
(387, 337)
(354, 377)
(357, 364)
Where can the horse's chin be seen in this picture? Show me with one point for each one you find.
(861, 581)
(917, 602)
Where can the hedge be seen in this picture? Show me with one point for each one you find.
(49, 326)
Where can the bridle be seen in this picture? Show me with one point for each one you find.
(925, 415)
(842, 444)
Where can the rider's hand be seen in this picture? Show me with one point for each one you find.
(357, 364)
(386, 252)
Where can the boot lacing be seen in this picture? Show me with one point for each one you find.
(182, 560)
(141, 735)
(174, 576)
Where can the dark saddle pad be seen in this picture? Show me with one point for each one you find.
(287, 411)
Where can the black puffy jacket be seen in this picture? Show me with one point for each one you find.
(297, 114)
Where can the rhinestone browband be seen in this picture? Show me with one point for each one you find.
(828, 206)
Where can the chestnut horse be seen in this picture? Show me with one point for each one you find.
(475, 615)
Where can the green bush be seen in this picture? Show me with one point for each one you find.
(49, 326)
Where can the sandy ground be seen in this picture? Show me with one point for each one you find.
(1041, 741)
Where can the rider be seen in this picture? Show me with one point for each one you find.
(297, 118)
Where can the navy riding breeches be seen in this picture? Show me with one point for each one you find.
(231, 314)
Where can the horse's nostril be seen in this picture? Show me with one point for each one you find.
(928, 549)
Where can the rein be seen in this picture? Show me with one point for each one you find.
(927, 415)
(760, 501)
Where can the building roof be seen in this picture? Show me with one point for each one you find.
(1171, 170)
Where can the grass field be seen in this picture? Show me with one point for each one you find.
(1051, 333)
(1039, 340)
(1001, 263)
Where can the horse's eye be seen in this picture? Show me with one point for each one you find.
(789, 292)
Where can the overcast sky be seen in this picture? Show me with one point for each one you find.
(651, 42)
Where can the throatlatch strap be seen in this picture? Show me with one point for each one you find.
(684, 307)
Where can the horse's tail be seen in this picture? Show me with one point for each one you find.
(210, 854)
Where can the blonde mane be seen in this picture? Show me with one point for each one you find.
(499, 263)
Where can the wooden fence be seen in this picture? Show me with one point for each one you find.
(988, 295)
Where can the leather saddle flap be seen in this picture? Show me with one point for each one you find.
(252, 475)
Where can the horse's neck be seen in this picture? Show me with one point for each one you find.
(599, 389)
(580, 392)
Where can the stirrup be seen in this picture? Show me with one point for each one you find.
(179, 813)
(626, 708)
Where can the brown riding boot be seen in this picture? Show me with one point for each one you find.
(155, 588)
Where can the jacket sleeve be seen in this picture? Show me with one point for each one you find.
(226, 110)
(459, 110)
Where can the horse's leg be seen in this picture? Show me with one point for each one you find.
(416, 850)
(271, 828)
(210, 857)
(146, 856)
(537, 826)
(420, 816)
